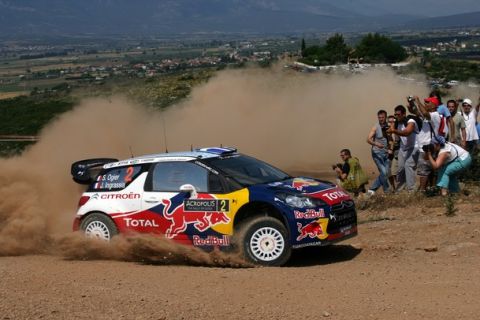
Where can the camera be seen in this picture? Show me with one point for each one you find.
(411, 103)
(335, 166)
(428, 148)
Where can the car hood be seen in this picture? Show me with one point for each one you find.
(324, 190)
(301, 185)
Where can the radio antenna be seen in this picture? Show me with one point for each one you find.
(164, 132)
(131, 152)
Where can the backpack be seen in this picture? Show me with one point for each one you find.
(417, 120)
(443, 124)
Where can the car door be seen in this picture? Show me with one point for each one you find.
(163, 198)
(116, 190)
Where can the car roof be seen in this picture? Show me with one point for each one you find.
(203, 153)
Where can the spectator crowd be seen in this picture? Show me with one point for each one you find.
(423, 147)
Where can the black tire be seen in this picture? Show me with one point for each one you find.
(98, 225)
(263, 241)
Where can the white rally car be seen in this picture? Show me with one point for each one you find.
(212, 197)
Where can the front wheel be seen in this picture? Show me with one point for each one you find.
(99, 226)
(263, 241)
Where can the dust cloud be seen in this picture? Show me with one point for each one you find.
(296, 121)
(145, 249)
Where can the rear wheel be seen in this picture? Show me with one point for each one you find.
(99, 226)
(263, 241)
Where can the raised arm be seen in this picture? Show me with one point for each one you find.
(422, 109)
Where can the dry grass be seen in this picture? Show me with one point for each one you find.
(8, 95)
(416, 207)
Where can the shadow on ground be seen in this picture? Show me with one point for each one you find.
(311, 256)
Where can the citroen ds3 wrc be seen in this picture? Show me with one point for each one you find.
(212, 197)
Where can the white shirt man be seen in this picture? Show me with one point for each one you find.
(407, 155)
(470, 117)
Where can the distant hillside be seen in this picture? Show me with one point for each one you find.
(179, 16)
(59, 17)
(471, 19)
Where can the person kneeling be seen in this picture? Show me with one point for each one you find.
(451, 160)
(351, 175)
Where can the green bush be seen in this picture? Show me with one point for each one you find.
(27, 115)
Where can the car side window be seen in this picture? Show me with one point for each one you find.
(170, 176)
(215, 184)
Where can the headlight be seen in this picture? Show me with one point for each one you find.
(300, 201)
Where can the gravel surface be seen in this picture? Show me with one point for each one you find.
(406, 263)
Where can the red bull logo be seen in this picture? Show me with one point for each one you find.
(309, 214)
(180, 219)
(300, 183)
(211, 241)
(315, 229)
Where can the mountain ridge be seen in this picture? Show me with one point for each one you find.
(58, 17)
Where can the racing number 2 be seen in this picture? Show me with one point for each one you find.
(129, 175)
(223, 205)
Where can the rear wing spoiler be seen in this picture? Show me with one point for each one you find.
(82, 170)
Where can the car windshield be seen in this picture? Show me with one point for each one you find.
(247, 170)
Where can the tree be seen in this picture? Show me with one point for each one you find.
(304, 46)
(336, 49)
(377, 48)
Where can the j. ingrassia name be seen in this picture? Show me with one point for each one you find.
(112, 185)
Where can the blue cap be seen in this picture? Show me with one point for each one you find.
(438, 139)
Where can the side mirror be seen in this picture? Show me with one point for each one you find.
(189, 189)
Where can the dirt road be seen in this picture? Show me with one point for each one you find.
(406, 263)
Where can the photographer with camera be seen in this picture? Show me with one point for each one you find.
(433, 124)
(350, 175)
(406, 128)
(393, 147)
(451, 160)
(378, 139)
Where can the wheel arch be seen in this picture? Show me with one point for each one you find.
(259, 209)
(86, 215)
(103, 226)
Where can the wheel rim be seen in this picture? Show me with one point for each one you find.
(98, 230)
(267, 244)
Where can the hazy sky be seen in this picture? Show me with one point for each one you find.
(429, 8)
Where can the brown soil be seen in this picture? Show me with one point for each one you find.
(406, 263)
